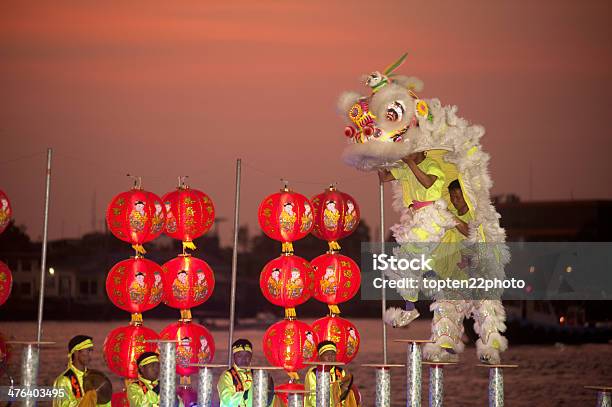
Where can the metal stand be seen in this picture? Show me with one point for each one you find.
(496, 384)
(260, 385)
(29, 366)
(604, 398)
(167, 373)
(436, 382)
(205, 383)
(383, 383)
(414, 374)
(295, 398)
(323, 390)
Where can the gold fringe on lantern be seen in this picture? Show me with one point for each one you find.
(136, 319)
(293, 377)
(333, 246)
(188, 245)
(139, 249)
(287, 248)
(184, 380)
(185, 315)
(333, 310)
(290, 313)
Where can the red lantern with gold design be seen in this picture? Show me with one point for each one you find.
(136, 216)
(188, 282)
(288, 344)
(6, 282)
(336, 215)
(195, 345)
(337, 279)
(135, 285)
(287, 281)
(286, 216)
(340, 331)
(5, 211)
(120, 399)
(189, 214)
(124, 345)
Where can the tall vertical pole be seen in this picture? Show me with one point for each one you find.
(234, 264)
(43, 258)
(382, 249)
(29, 370)
(167, 373)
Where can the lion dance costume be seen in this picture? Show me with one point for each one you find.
(392, 122)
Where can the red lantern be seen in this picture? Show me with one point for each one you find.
(287, 386)
(337, 279)
(135, 285)
(287, 281)
(336, 215)
(188, 282)
(286, 216)
(136, 216)
(6, 282)
(120, 400)
(340, 331)
(5, 211)
(288, 344)
(124, 345)
(195, 345)
(189, 214)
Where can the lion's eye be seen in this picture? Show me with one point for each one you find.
(395, 111)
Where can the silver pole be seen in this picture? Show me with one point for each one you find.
(167, 376)
(29, 371)
(603, 399)
(234, 264)
(436, 386)
(260, 388)
(295, 400)
(43, 258)
(496, 387)
(383, 387)
(383, 296)
(205, 383)
(414, 376)
(323, 387)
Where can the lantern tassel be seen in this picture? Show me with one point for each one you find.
(184, 380)
(136, 319)
(139, 249)
(188, 245)
(290, 313)
(293, 376)
(185, 315)
(287, 248)
(334, 246)
(333, 309)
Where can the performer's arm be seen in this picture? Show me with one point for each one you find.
(228, 396)
(345, 385)
(427, 180)
(462, 227)
(63, 382)
(136, 397)
(385, 176)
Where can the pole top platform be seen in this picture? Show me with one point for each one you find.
(40, 343)
(381, 365)
(497, 366)
(292, 391)
(263, 367)
(324, 363)
(430, 363)
(208, 365)
(606, 389)
(413, 341)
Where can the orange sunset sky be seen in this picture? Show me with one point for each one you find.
(168, 88)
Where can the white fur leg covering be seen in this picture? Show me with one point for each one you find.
(446, 330)
(397, 317)
(489, 323)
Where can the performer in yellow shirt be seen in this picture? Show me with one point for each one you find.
(144, 392)
(235, 384)
(342, 392)
(80, 349)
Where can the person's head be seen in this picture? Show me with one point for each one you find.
(288, 207)
(331, 205)
(140, 278)
(148, 365)
(139, 205)
(242, 352)
(80, 349)
(350, 205)
(327, 351)
(182, 275)
(418, 157)
(456, 196)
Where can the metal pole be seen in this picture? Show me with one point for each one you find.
(383, 297)
(436, 386)
(260, 388)
(234, 264)
(167, 376)
(323, 387)
(603, 399)
(295, 400)
(205, 383)
(383, 387)
(496, 387)
(43, 258)
(414, 378)
(29, 371)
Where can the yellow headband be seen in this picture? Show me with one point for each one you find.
(242, 348)
(148, 360)
(86, 344)
(327, 347)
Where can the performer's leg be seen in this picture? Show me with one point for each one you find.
(489, 323)
(446, 330)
